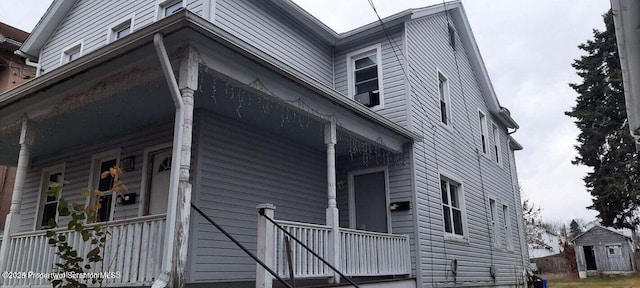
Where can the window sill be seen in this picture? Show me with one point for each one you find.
(455, 238)
(446, 127)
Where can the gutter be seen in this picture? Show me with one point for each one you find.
(163, 279)
(506, 115)
(28, 62)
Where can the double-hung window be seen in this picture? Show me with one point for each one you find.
(496, 144)
(493, 208)
(103, 182)
(445, 105)
(482, 120)
(49, 200)
(507, 226)
(452, 207)
(365, 76)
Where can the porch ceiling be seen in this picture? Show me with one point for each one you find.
(219, 97)
(112, 116)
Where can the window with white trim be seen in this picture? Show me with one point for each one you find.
(365, 76)
(507, 226)
(171, 7)
(496, 144)
(103, 181)
(121, 30)
(493, 208)
(452, 36)
(49, 199)
(452, 207)
(482, 121)
(614, 250)
(445, 106)
(71, 54)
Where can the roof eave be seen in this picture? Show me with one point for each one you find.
(45, 27)
(626, 17)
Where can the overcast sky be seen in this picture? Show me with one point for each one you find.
(528, 47)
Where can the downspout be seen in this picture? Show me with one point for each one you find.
(28, 62)
(163, 279)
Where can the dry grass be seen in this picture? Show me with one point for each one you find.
(630, 281)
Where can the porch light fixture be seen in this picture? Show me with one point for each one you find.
(129, 163)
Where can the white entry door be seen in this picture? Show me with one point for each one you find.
(159, 181)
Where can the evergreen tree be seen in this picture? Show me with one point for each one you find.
(604, 143)
(574, 228)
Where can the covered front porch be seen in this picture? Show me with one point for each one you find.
(250, 133)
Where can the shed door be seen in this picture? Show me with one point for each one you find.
(590, 258)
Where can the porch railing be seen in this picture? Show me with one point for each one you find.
(362, 253)
(365, 253)
(305, 265)
(133, 252)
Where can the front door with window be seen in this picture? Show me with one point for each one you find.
(370, 202)
(159, 176)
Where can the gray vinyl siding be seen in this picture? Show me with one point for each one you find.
(89, 20)
(270, 30)
(599, 238)
(78, 165)
(241, 167)
(452, 152)
(393, 77)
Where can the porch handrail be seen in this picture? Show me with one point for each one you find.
(261, 212)
(265, 266)
(104, 224)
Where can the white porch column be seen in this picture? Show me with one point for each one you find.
(13, 219)
(188, 83)
(266, 240)
(332, 209)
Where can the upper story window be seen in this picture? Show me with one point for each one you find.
(507, 226)
(445, 99)
(49, 201)
(365, 76)
(482, 120)
(120, 30)
(72, 53)
(452, 207)
(170, 7)
(496, 144)
(493, 208)
(452, 37)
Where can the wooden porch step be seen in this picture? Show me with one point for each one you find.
(300, 283)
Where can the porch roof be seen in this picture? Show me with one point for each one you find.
(182, 20)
